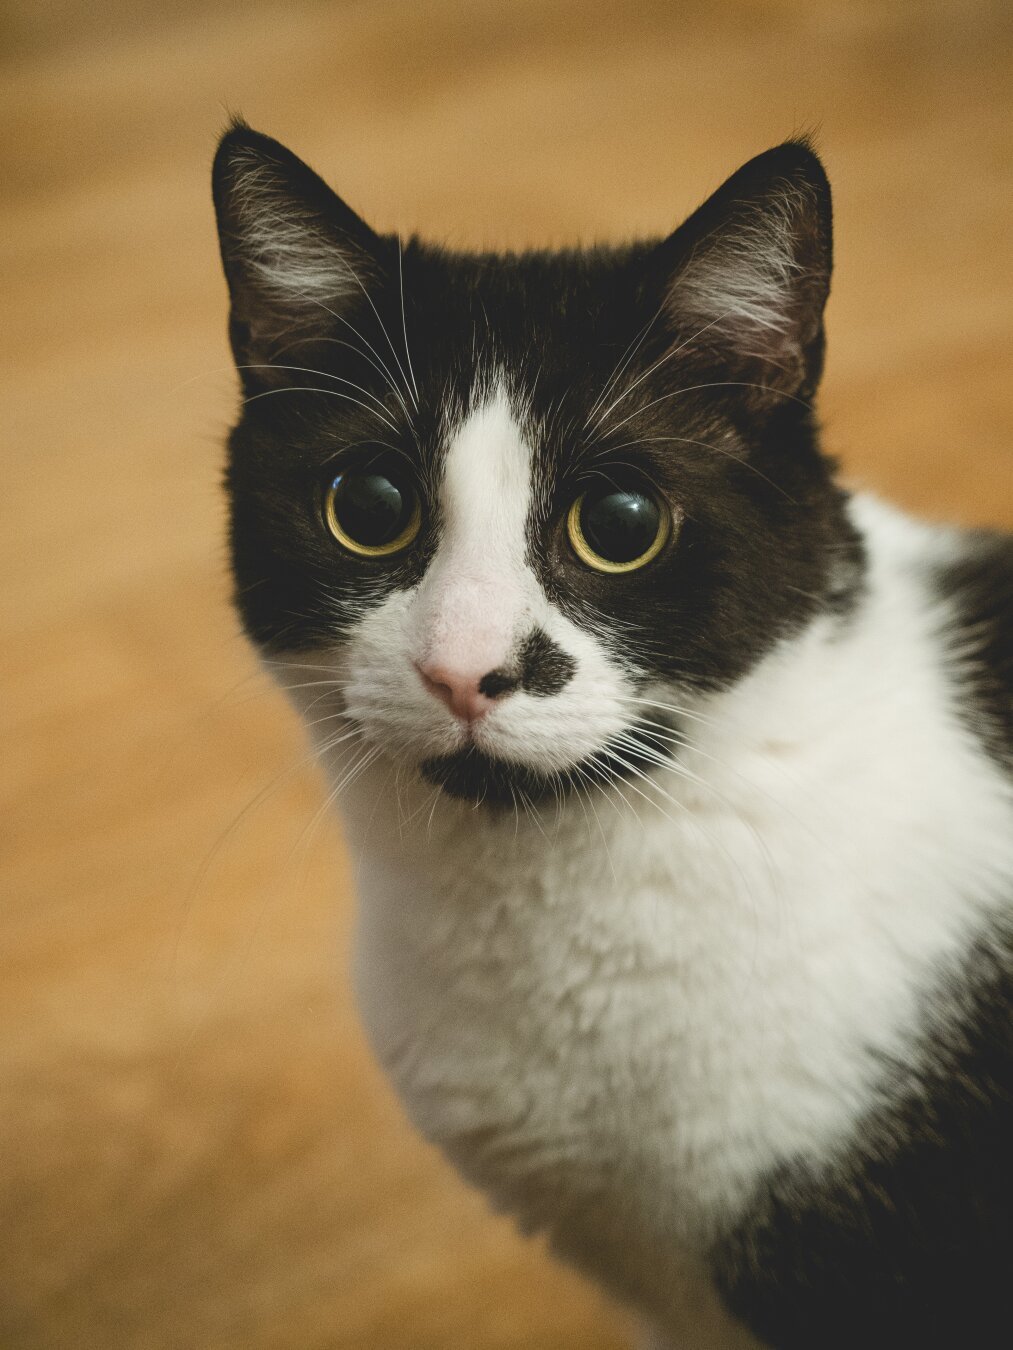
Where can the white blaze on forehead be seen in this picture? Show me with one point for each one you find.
(486, 492)
(478, 590)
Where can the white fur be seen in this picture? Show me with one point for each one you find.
(477, 592)
(617, 1016)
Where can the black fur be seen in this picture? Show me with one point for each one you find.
(979, 635)
(475, 777)
(545, 668)
(542, 667)
(499, 682)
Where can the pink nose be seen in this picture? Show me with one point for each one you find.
(459, 692)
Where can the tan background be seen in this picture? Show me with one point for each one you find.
(195, 1149)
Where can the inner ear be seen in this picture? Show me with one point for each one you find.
(749, 274)
(296, 258)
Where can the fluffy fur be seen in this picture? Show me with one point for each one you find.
(694, 951)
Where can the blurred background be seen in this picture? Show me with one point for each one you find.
(195, 1148)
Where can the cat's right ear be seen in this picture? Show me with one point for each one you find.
(295, 256)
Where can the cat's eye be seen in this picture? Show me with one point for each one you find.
(371, 512)
(616, 529)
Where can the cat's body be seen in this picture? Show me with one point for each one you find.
(627, 1021)
(694, 954)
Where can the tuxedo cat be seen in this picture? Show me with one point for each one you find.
(678, 779)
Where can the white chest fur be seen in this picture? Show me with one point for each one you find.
(616, 1021)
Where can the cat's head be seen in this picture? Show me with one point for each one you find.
(503, 499)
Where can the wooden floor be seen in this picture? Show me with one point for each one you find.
(195, 1149)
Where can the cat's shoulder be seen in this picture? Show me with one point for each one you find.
(961, 580)
(977, 576)
(976, 584)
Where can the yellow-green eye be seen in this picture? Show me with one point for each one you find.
(372, 514)
(618, 529)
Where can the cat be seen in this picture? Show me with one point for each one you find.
(678, 777)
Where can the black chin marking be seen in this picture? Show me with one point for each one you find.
(473, 776)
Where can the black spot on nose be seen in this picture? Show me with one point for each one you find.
(497, 683)
(540, 667)
(545, 668)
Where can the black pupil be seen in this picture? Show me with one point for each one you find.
(370, 508)
(619, 526)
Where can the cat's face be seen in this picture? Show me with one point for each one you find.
(508, 501)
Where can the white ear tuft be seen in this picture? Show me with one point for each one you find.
(294, 254)
(746, 276)
(752, 269)
(290, 256)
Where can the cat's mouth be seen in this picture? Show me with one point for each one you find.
(473, 776)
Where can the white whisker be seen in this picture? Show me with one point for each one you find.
(621, 365)
(333, 393)
(660, 362)
(712, 384)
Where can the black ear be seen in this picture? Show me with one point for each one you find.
(295, 256)
(749, 273)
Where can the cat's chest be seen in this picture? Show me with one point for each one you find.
(622, 1015)
(619, 1026)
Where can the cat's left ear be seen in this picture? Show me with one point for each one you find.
(749, 273)
(295, 256)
